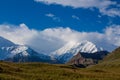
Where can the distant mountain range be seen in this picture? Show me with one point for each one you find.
(19, 53)
(74, 53)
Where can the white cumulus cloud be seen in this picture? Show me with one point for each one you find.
(104, 6)
(51, 39)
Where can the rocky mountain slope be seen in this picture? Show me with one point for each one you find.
(86, 59)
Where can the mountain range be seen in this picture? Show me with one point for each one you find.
(106, 69)
(19, 53)
(69, 53)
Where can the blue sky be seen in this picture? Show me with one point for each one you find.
(35, 15)
(47, 25)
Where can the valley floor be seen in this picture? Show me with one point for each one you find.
(43, 71)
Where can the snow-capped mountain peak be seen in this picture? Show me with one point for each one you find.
(65, 48)
(72, 48)
(87, 47)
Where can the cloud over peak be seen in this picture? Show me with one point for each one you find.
(52, 39)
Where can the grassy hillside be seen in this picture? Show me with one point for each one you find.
(108, 69)
(115, 55)
(112, 60)
(42, 71)
(111, 64)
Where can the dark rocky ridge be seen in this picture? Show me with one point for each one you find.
(87, 59)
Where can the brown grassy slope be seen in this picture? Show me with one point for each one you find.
(115, 55)
(43, 71)
(111, 61)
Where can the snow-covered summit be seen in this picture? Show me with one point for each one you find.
(72, 48)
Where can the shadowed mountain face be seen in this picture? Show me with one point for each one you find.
(5, 43)
(87, 58)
